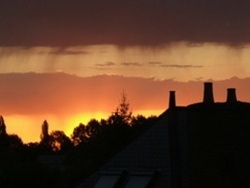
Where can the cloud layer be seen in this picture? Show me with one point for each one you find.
(66, 100)
(125, 22)
(63, 94)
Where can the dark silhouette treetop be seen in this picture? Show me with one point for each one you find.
(45, 142)
(123, 113)
(60, 142)
(45, 130)
(2, 126)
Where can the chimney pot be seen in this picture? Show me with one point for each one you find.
(231, 95)
(208, 93)
(172, 99)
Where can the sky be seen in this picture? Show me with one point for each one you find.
(68, 61)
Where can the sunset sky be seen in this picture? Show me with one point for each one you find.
(68, 61)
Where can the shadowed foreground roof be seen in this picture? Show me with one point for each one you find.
(147, 154)
(201, 145)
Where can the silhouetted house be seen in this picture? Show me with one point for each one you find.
(203, 145)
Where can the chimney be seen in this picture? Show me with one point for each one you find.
(208, 93)
(231, 95)
(171, 99)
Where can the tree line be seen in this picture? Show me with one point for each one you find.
(88, 147)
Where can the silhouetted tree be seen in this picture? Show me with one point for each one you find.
(138, 120)
(15, 141)
(123, 114)
(140, 123)
(103, 123)
(117, 131)
(45, 131)
(4, 140)
(100, 141)
(83, 134)
(60, 142)
(80, 135)
(2, 126)
(93, 128)
(45, 143)
(31, 150)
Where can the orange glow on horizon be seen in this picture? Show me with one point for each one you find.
(28, 128)
(74, 120)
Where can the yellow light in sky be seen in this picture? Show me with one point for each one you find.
(74, 120)
(148, 113)
(28, 128)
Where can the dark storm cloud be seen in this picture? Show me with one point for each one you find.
(182, 66)
(131, 64)
(124, 22)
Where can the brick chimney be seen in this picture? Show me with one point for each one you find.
(171, 99)
(231, 95)
(208, 93)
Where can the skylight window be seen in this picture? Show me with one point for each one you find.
(138, 181)
(107, 181)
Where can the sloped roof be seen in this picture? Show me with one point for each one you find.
(186, 143)
(148, 153)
